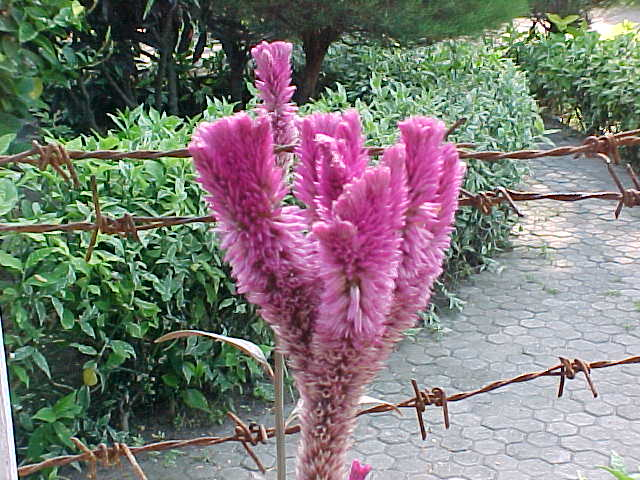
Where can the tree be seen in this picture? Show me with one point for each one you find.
(237, 34)
(318, 24)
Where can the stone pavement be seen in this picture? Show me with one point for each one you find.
(569, 287)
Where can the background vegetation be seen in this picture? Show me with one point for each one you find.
(586, 80)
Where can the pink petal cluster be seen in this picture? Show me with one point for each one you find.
(359, 471)
(340, 279)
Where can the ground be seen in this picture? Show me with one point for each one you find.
(603, 20)
(569, 287)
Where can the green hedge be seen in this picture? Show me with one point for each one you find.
(73, 323)
(591, 81)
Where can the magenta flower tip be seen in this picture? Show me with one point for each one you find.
(359, 471)
(273, 72)
(273, 81)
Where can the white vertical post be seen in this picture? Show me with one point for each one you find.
(8, 465)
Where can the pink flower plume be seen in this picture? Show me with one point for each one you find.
(339, 280)
(273, 81)
(331, 153)
(359, 255)
(264, 241)
(434, 174)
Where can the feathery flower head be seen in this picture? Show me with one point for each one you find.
(331, 153)
(359, 256)
(273, 73)
(273, 81)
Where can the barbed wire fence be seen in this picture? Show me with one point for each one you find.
(605, 148)
(251, 434)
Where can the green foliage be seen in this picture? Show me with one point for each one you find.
(589, 80)
(617, 469)
(80, 334)
(317, 25)
(449, 80)
(571, 7)
(399, 19)
(34, 51)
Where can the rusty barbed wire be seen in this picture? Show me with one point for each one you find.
(251, 434)
(56, 155)
(484, 201)
(129, 225)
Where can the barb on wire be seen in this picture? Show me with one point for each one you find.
(628, 196)
(250, 434)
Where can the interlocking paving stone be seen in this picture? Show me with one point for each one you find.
(569, 287)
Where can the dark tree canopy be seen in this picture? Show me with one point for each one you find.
(317, 24)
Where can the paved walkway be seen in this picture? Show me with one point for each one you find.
(604, 20)
(570, 287)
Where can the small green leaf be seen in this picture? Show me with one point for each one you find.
(66, 321)
(67, 407)
(21, 373)
(63, 434)
(170, 379)
(5, 141)
(226, 302)
(76, 8)
(46, 414)
(86, 349)
(85, 327)
(41, 362)
(114, 360)
(195, 399)
(147, 9)
(188, 370)
(9, 261)
(8, 194)
(134, 330)
(35, 257)
(26, 32)
(123, 349)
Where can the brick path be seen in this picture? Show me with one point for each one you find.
(569, 287)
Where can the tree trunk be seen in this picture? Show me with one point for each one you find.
(167, 39)
(237, 57)
(315, 44)
(173, 87)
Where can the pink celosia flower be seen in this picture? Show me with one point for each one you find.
(264, 241)
(358, 259)
(273, 81)
(359, 471)
(339, 280)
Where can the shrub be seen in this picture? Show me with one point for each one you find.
(81, 333)
(588, 79)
